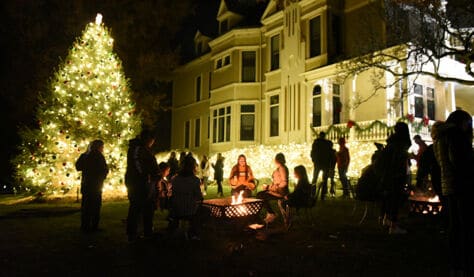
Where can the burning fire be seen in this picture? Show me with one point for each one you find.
(434, 199)
(239, 199)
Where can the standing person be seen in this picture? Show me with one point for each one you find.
(94, 170)
(219, 173)
(241, 178)
(393, 167)
(320, 155)
(162, 187)
(141, 177)
(343, 159)
(278, 188)
(173, 163)
(204, 171)
(454, 154)
(185, 197)
(421, 148)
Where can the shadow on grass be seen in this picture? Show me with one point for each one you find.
(41, 212)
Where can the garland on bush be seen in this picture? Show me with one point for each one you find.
(343, 131)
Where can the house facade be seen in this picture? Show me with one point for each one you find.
(280, 82)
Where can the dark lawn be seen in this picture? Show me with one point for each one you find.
(43, 239)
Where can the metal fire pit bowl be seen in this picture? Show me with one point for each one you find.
(421, 205)
(222, 207)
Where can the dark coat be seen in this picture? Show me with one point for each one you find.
(454, 155)
(94, 170)
(321, 153)
(218, 170)
(142, 170)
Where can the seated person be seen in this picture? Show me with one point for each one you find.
(278, 189)
(301, 196)
(241, 178)
(185, 197)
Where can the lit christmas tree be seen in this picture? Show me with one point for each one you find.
(89, 99)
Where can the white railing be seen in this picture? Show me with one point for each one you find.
(372, 130)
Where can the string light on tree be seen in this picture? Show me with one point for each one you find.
(89, 98)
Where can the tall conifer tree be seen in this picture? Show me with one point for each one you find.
(89, 98)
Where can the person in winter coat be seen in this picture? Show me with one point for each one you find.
(140, 178)
(455, 157)
(185, 197)
(321, 152)
(94, 170)
(393, 169)
(343, 159)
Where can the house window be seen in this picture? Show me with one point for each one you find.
(198, 89)
(430, 103)
(227, 60)
(275, 54)
(221, 62)
(221, 125)
(315, 37)
(336, 104)
(418, 91)
(218, 63)
(424, 99)
(274, 115)
(317, 106)
(187, 127)
(248, 66)
(197, 133)
(247, 122)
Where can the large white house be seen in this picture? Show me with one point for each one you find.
(279, 82)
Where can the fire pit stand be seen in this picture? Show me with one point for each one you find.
(422, 206)
(222, 207)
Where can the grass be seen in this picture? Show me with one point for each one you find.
(43, 239)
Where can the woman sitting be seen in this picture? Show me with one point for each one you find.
(241, 178)
(301, 196)
(278, 189)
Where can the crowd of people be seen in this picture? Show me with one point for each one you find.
(179, 185)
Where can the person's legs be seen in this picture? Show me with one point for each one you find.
(85, 212)
(96, 204)
(148, 213)
(344, 181)
(220, 191)
(132, 219)
(324, 185)
(316, 171)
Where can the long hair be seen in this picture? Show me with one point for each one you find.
(300, 172)
(280, 158)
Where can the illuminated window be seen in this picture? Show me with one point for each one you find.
(424, 102)
(187, 127)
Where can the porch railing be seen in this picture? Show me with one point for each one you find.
(372, 130)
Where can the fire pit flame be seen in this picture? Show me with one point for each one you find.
(238, 199)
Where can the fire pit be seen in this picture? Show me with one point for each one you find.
(425, 204)
(223, 207)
